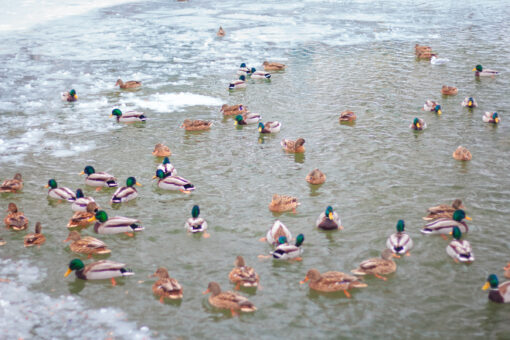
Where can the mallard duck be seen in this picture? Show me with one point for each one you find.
(420, 49)
(12, 185)
(462, 154)
(70, 96)
(86, 245)
(98, 179)
(499, 293)
(99, 270)
(469, 102)
(426, 55)
(459, 249)
(167, 168)
(273, 234)
(328, 220)
(254, 74)
(161, 150)
(286, 251)
(83, 218)
(173, 182)
(281, 203)
(165, 286)
(228, 300)
(61, 193)
(481, 72)
(270, 127)
(491, 117)
(449, 90)
(431, 105)
(127, 193)
(196, 125)
(316, 177)
(233, 110)
(243, 70)
(81, 202)
(131, 84)
(221, 32)
(418, 124)
(293, 146)
(115, 225)
(196, 224)
(332, 281)
(237, 84)
(128, 117)
(443, 210)
(400, 242)
(435, 60)
(273, 66)
(15, 219)
(347, 116)
(445, 225)
(247, 118)
(242, 275)
(34, 239)
(378, 265)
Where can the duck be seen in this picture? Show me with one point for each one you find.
(418, 124)
(421, 48)
(462, 154)
(400, 242)
(233, 109)
(491, 117)
(161, 150)
(281, 203)
(469, 102)
(196, 125)
(98, 179)
(460, 250)
(70, 96)
(127, 193)
(499, 293)
(273, 234)
(131, 84)
(316, 177)
(270, 127)
(332, 281)
(61, 193)
(99, 270)
(378, 265)
(86, 245)
(347, 116)
(128, 117)
(243, 70)
(238, 84)
(481, 72)
(435, 60)
(254, 74)
(115, 225)
(81, 202)
(173, 182)
(273, 66)
(242, 275)
(83, 218)
(167, 167)
(15, 219)
(247, 118)
(221, 32)
(286, 251)
(443, 210)
(228, 300)
(293, 146)
(329, 220)
(431, 105)
(12, 185)
(426, 55)
(196, 224)
(34, 239)
(165, 286)
(449, 90)
(445, 225)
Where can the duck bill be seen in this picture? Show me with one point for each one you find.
(330, 216)
(75, 96)
(470, 103)
(496, 120)
(154, 177)
(468, 218)
(92, 219)
(474, 69)
(138, 184)
(46, 186)
(439, 112)
(235, 123)
(111, 115)
(207, 291)
(486, 286)
(260, 129)
(418, 125)
(82, 173)
(68, 272)
(304, 281)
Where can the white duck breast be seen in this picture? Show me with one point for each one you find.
(278, 229)
(106, 270)
(399, 243)
(62, 193)
(287, 252)
(460, 250)
(101, 179)
(195, 225)
(444, 226)
(429, 105)
(117, 225)
(80, 204)
(124, 194)
(168, 169)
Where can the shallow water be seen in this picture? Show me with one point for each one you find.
(354, 55)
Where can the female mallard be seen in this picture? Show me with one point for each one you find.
(196, 224)
(400, 242)
(237, 84)
(243, 70)
(431, 105)
(81, 202)
(165, 286)
(61, 193)
(242, 275)
(34, 239)
(449, 90)
(491, 117)
(83, 218)
(286, 251)
(233, 109)
(173, 182)
(12, 185)
(131, 84)
(15, 219)
(462, 154)
(254, 74)
(270, 127)
(273, 66)
(329, 220)
(316, 177)
(347, 116)
(273, 234)
(499, 293)
(161, 150)
(445, 225)
(293, 146)
(70, 96)
(196, 125)
(128, 117)
(247, 118)
(99, 270)
(228, 300)
(469, 102)
(167, 168)
(418, 124)
(127, 193)
(98, 179)
(115, 225)
(459, 249)
(281, 203)
(221, 32)
(481, 72)
(378, 265)
(86, 245)
(426, 55)
(443, 210)
(332, 282)
(421, 49)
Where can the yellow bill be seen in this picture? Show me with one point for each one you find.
(486, 286)
(468, 218)
(68, 272)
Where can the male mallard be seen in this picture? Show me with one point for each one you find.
(36, 238)
(462, 154)
(449, 90)
(15, 219)
(167, 168)
(445, 225)
(83, 218)
(131, 84)
(115, 225)
(254, 74)
(196, 224)
(161, 150)
(243, 70)
(237, 84)
(70, 96)
(332, 281)
(12, 185)
(443, 210)
(329, 220)
(173, 182)
(459, 249)
(293, 146)
(418, 124)
(469, 102)
(128, 117)
(228, 300)
(273, 66)
(431, 105)
(221, 32)
(233, 109)
(270, 127)
(499, 293)
(81, 202)
(273, 234)
(127, 193)
(242, 275)
(196, 125)
(378, 265)
(400, 242)
(99, 270)
(481, 72)
(491, 117)
(281, 203)
(347, 116)
(86, 245)
(165, 286)
(316, 177)
(61, 193)
(286, 251)
(98, 179)
(247, 118)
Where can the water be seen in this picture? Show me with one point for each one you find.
(354, 55)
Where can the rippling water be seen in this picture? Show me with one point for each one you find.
(354, 55)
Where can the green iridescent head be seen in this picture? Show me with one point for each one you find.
(261, 126)
(493, 280)
(282, 240)
(253, 70)
(329, 212)
(238, 118)
(459, 215)
(166, 160)
(400, 226)
(52, 183)
(79, 193)
(89, 170)
(495, 115)
(101, 216)
(437, 108)
(243, 78)
(243, 65)
(160, 174)
(456, 233)
(299, 240)
(117, 112)
(416, 121)
(72, 92)
(130, 181)
(479, 68)
(195, 211)
(76, 264)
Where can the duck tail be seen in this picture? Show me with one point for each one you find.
(136, 227)
(126, 272)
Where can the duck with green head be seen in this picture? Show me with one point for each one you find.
(270, 127)
(60, 193)
(460, 250)
(400, 242)
(167, 168)
(238, 84)
(196, 224)
(173, 182)
(98, 179)
(499, 293)
(243, 70)
(469, 102)
(254, 74)
(431, 105)
(491, 117)
(128, 117)
(483, 72)
(286, 251)
(445, 225)
(70, 96)
(418, 124)
(99, 270)
(81, 202)
(115, 225)
(127, 193)
(329, 220)
(247, 118)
